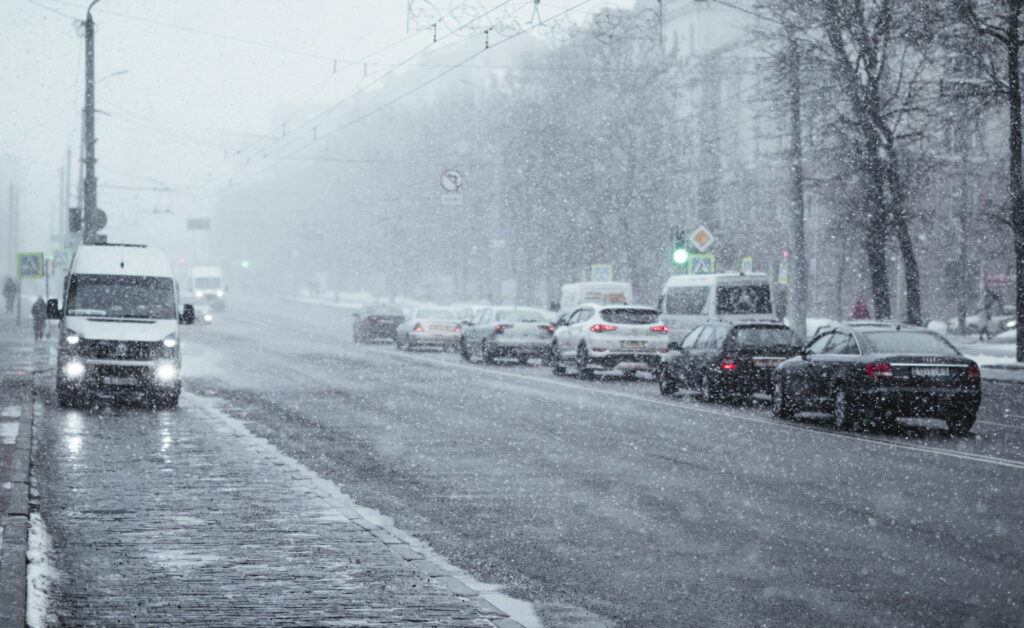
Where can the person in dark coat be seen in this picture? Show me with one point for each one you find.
(10, 292)
(39, 317)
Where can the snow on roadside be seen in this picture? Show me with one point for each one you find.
(41, 574)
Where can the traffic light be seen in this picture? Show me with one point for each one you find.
(680, 250)
(74, 219)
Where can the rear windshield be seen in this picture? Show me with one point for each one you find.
(689, 300)
(630, 316)
(382, 310)
(765, 337)
(442, 315)
(919, 342)
(121, 296)
(521, 316)
(756, 299)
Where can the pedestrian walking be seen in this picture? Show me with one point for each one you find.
(39, 317)
(988, 305)
(10, 293)
(860, 309)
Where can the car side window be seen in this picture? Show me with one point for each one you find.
(721, 333)
(707, 333)
(575, 318)
(837, 344)
(585, 314)
(818, 345)
(851, 347)
(691, 338)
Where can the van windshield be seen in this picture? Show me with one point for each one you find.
(121, 296)
(686, 300)
(207, 283)
(751, 299)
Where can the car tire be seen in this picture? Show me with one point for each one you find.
(961, 425)
(464, 351)
(583, 371)
(708, 391)
(667, 385)
(556, 361)
(845, 415)
(782, 408)
(486, 355)
(524, 360)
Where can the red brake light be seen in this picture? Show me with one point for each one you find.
(417, 327)
(600, 327)
(728, 363)
(458, 329)
(661, 329)
(973, 372)
(501, 328)
(880, 369)
(550, 328)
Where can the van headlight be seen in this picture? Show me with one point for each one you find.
(207, 318)
(199, 294)
(171, 341)
(71, 337)
(220, 294)
(166, 372)
(74, 369)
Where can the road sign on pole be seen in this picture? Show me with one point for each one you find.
(747, 265)
(62, 258)
(783, 277)
(451, 180)
(600, 272)
(702, 239)
(702, 264)
(31, 266)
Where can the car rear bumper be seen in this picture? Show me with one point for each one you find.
(434, 339)
(920, 402)
(647, 360)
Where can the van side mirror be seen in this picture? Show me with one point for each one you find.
(188, 314)
(53, 310)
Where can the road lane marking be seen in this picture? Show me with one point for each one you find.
(961, 455)
(1013, 427)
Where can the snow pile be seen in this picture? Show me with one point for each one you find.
(41, 574)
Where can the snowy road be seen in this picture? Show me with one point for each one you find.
(604, 503)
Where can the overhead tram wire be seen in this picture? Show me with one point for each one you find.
(401, 96)
(52, 10)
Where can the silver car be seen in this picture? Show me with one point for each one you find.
(626, 337)
(507, 332)
(429, 327)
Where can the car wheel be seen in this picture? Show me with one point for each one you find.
(781, 407)
(486, 355)
(556, 361)
(708, 390)
(961, 425)
(629, 375)
(524, 360)
(845, 415)
(582, 370)
(667, 385)
(464, 351)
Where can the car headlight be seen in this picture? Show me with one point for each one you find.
(166, 372)
(171, 341)
(71, 337)
(1011, 324)
(220, 293)
(74, 369)
(207, 318)
(199, 294)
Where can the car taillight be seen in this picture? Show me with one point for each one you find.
(879, 369)
(601, 327)
(458, 329)
(973, 372)
(547, 328)
(499, 329)
(728, 363)
(417, 327)
(661, 329)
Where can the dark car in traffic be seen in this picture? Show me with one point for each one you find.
(869, 375)
(727, 359)
(376, 322)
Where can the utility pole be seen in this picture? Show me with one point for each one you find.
(90, 214)
(798, 318)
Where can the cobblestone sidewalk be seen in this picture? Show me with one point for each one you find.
(185, 518)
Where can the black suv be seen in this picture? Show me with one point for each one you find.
(727, 359)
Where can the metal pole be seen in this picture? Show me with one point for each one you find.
(89, 214)
(798, 317)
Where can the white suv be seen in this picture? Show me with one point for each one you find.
(626, 337)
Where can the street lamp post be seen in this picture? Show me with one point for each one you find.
(90, 214)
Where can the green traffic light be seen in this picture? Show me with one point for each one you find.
(679, 256)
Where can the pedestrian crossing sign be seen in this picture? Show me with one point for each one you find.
(600, 272)
(30, 266)
(62, 258)
(702, 264)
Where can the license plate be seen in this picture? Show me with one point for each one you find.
(119, 381)
(770, 363)
(626, 344)
(930, 371)
(439, 328)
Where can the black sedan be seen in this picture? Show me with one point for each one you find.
(727, 359)
(376, 322)
(868, 376)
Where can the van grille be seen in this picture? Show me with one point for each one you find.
(120, 350)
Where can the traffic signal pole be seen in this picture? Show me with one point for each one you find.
(90, 217)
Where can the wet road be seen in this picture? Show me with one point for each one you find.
(604, 503)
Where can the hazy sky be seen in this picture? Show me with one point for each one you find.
(183, 82)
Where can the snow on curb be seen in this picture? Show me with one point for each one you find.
(41, 574)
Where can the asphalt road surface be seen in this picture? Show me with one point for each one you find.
(606, 504)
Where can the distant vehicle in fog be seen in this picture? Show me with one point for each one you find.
(119, 326)
(727, 360)
(507, 332)
(429, 327)
(630, 338)
(600, 292)
(689, 300)
(206, 285)
(376, 322)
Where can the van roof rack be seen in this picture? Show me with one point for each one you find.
(140, 246)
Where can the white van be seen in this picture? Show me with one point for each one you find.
(686, 301)
(600, 292)
(119, 326)
(206, 285)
